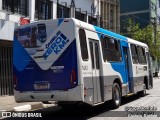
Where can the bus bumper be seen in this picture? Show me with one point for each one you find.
(74, 94)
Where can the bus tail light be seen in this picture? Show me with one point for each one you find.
(73, 77)
(85, 91)
(66, 20)
(14, 80)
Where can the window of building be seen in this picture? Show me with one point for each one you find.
(141, 55)
(134, 54)
(16, 6)
(83, 44)
(111, 19)
(7, 5)
(62, 11)
(6, 67)
(42, 9)
(92, 20)
(111, 49)
(80, 16)
(153, 6)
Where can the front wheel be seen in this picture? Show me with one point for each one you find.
(116, 95)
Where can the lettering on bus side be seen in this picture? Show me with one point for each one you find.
(85, 67)
(57, 43)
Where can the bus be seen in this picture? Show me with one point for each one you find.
(80, 62)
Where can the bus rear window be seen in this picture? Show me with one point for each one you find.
(83, 44)
(32, 36)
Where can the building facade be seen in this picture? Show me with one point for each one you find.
(13, 13)
(143, 12)
(110, 13)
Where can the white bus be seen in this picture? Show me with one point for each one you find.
(80, 62)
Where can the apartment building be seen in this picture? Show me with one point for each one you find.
(110, 13)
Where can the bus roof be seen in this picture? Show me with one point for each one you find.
(98, 29)
(137, 42)
(81, 24)
(109, 33)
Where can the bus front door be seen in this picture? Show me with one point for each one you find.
(95, 59)
(125, 52)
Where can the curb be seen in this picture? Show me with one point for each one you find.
(27, 107)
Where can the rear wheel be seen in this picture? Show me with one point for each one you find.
(143, 92)
(116, 96)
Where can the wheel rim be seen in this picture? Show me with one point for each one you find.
(117, 95)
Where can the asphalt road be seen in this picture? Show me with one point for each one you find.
(105, 112)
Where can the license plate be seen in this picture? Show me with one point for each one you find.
(41, 86)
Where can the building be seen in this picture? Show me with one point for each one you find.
(110, 13)
(143, 12)
(18, 12)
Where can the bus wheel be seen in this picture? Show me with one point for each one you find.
(143, 92)
(116, 96)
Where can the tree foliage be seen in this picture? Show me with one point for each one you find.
(145, 35)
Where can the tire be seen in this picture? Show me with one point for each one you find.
(143, 92)
(116, 96)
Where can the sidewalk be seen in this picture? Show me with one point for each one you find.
(8, 103)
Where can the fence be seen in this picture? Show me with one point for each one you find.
(6, 71)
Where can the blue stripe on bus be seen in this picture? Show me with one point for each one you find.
(101, 30)
(21, 58)
(60, 20)
(117, 66)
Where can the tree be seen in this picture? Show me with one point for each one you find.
(144, 35)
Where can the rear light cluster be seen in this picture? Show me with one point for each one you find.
(14, 80)
(85, 91)
(66, 20)
(73, 77)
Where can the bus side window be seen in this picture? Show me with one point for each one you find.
(103, 44)
(141, 55)
(134, 54)
(144, 56)
(83, 44)
(111, 49)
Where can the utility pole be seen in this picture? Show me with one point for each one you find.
(155, 43)
(155, 30)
